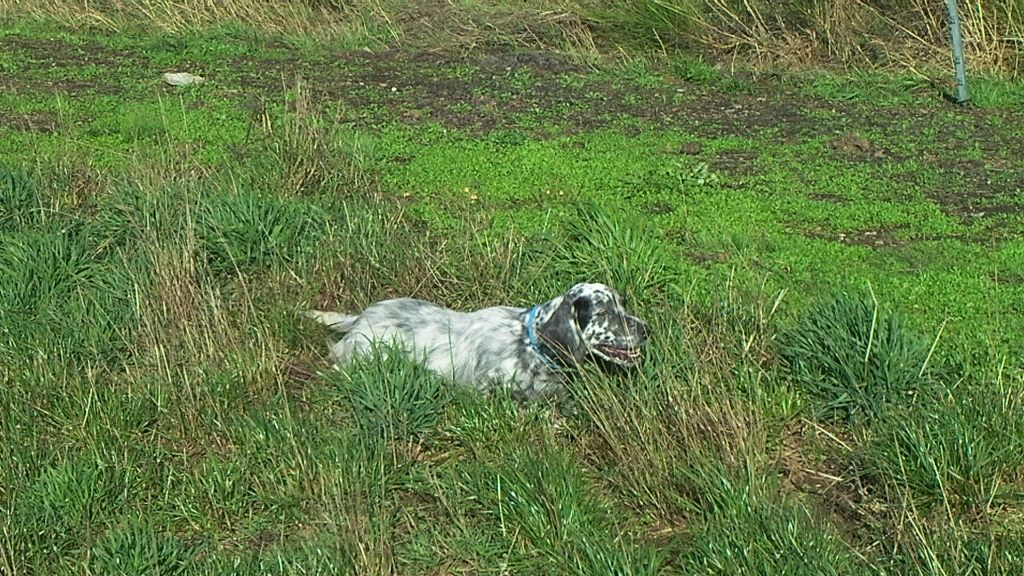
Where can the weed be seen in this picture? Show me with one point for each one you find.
(693, 70)
(135, 548)
(618, 250)
(734, 85)
(250, 231)
(391, 397)
(677, 177)
(312, 152)
(855, 359)
(18, 200)
(962, 456)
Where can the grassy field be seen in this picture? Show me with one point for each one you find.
(832, 266)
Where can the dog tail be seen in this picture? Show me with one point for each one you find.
(333, 320)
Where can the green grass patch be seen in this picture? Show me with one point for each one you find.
(166, 409)
(856, 359)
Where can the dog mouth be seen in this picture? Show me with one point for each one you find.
(625, 355)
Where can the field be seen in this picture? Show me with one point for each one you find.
(832, 263)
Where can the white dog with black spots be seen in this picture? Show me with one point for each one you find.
(529, 351)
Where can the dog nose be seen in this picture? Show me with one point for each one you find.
(643, 330)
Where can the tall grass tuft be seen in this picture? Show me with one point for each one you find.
(619, 250)
(135, 548)
(535, 494)
(624, 420)
(246, 231)
(748, 526)
(19, 200)
(392, 398)
(854, 359)
(60, 298)
(660, 22)
(962, 458)
(943, 548)
(304, 149)
(63, 502)
(693, 459)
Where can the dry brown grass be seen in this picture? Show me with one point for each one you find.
(994, 33)
(904, 35)
(860, 33)
(186, 321)
(644, 442)
(353, 18)
(488, 24)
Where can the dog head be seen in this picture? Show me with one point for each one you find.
(592, 320)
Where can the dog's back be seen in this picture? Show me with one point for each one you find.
(463, 346)
(407, 323)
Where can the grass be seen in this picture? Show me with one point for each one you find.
(855, 359)
(165, 409)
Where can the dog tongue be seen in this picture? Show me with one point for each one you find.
(623, 353)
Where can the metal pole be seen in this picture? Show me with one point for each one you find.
(958, 53)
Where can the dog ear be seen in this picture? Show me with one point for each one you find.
(583, 312)
(561, 333)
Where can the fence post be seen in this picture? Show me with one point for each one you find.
(958, 53)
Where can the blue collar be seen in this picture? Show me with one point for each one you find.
(531, 318)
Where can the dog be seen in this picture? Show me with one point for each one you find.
(528, 351)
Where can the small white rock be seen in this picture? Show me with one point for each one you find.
(182, 78)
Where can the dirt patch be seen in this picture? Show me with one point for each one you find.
(659, 208)
(264, 540)
(67, 87)
(736, 162)
(478, 94)
(40, 58)
(877, 238)
(58, 53)
(977, 188)
(994, 210)
(852, 145)
(690, 148)
(771, 110)
(497, 90)
(707, 258)
(976, 158)
(1007, 278)
(38, 121)
(809, 466)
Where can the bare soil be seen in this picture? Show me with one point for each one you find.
(543, 94)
